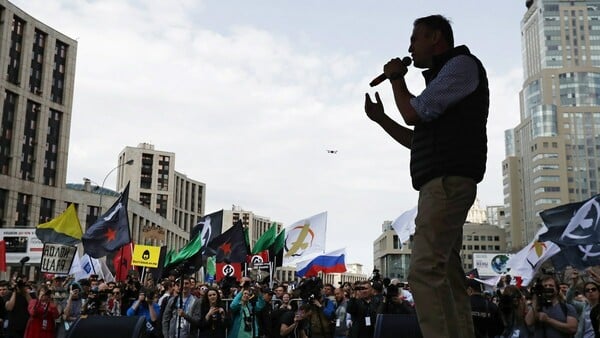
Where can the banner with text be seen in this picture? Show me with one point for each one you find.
(57, 258)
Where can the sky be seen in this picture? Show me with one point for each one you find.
(250, 95)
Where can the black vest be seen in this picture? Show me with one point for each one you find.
(455, 143)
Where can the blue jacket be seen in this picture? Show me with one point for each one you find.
(237, 318)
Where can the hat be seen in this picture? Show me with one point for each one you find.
(75, 285)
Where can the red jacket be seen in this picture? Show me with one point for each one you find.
(42, 318)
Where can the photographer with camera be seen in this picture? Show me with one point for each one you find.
(16, 306)
(512, 306)
(394, 302)
(147, 307)
(43, 314)
(549, 314)
(363, 309)
(243, 309)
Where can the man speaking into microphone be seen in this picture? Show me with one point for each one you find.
(448, 150)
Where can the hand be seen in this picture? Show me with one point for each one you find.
(542, 317)
(180, 312)
(395, 69)
(142, 297)
(374, 110)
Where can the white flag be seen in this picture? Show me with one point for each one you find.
(527, 262)
(305, 239)
(404, 225)
(89, 266)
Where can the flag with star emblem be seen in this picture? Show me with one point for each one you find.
(229, 246)
(111, 231)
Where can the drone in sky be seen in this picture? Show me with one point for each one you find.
(331, 151)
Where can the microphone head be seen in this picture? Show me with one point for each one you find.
(406, 61)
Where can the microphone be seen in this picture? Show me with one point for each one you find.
(405, 60)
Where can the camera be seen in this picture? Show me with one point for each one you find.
(309, 289)
(544, 295)
(247, 324)
(375, 276)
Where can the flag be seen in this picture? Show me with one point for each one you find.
(2, 255)
(404, 225)
(473, 274)
(209, 226)
(189, 250)
(229, 270)
(111, 231)
(158, 272)
(276, 249)
(64, 229)
(230, 246)
(332, 262)
(87, 266)
(578, 256)
(246, 235)
(169, 256)
(122, 262)
(574, 223)
(211, 266)
(527, 262)
(188, 260)
(266, 240)
(305, 238)
(258, 258)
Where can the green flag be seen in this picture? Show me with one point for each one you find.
(266, 240)
(276, 249)
(211, 266)
(192, 248)
(169, 256)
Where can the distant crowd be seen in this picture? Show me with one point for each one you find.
(183, 307)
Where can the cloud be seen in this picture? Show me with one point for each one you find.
(249, 111)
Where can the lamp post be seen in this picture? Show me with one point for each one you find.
(130, 162)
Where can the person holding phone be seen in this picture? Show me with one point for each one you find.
(296, 324)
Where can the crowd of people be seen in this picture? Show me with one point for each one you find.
(183, 307)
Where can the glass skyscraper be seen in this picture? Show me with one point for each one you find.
(552, 154)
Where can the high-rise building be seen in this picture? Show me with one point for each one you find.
(552, 154)
(37, 64)
(156, 184)
(37, 67)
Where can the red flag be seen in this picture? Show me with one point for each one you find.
(122, 262)
(258, 258)
(3, 256)
(229, 270)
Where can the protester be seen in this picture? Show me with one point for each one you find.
(214, 319)
(182, 314)
(549, 314)
(147, 307)
(42, 316)
(243, 312)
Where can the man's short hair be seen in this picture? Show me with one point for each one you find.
(438, 23)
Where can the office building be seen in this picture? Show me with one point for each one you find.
(552, 154)
(156, 184)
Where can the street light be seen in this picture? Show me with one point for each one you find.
(130, 162)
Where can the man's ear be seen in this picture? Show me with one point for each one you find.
(436, 36)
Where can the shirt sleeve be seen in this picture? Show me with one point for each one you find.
(458, 78)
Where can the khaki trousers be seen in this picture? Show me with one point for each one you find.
(436, 276)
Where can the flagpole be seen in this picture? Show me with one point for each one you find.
(92, 264)
(129, 162)
(120, 264)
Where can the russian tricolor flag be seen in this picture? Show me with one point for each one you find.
(332, 262)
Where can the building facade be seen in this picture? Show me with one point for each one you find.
(156, 184)
(38, 72)
(552, 154)
(392, 258)
(38, 65)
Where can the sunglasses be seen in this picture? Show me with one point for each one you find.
(591, 290)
